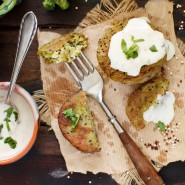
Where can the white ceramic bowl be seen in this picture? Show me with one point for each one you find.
(26, 130)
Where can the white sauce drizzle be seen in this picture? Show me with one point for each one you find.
(22, 131)
(163, 110)
(140, 29)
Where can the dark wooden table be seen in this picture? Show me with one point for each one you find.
(44, 158)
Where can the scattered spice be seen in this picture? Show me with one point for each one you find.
(155, 146)
(170, 138)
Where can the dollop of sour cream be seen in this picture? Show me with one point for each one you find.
(21, 130)
(139, 29)
(163, 110)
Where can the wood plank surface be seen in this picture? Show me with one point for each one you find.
(45, 157)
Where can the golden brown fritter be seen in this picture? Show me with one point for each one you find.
(147, 72)
(83, 136)
(144, 97)
(63, 49)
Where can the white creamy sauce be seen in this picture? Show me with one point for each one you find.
(140, 29)
(163, 110)
(21, 131)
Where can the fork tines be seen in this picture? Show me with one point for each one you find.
(80, 67)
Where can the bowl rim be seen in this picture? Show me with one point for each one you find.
(21, 91)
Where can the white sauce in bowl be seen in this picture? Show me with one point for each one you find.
(21, 132)
(163, 110)
(140, 29)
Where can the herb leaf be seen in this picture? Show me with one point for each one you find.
(1, 138)
(153, 48)
(1, 127)
(132, 38)
(139, 40)
(9, 112)
(132, 52)
(7, 123)
(160, 125)
(74, 117)
(16, 115)
(12, 143)
(123, 46)
(75, 121)
(68, 113)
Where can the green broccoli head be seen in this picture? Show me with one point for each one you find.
(50, 4)
(63, 4)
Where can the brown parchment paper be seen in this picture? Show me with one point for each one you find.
(58, 85)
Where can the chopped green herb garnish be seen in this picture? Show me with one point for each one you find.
(9, 112)
(74, 117)
(131, 52)
(68, 113)
(1, 127)
(153, 49)
(161, 126)
(12, 143)
(16, 115)
(75, 121)
(132, 38)
(139, 40)
(1, 138)
(124, 46)
(7, 123)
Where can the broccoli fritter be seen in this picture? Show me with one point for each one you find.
(141, 99)
(83, 136)
(63, 49)
(147, 72)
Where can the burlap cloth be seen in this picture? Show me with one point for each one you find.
(58, 85)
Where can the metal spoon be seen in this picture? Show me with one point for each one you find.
(27, 32)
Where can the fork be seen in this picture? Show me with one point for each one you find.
(90, 81)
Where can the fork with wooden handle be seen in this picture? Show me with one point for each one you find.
(90, 81)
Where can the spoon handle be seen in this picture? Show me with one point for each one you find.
(27, 31)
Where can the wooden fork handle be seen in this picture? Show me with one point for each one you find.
(143, 166)
(145, 169)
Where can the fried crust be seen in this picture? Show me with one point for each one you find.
(144, 97)
(83, 136)
(147, 72)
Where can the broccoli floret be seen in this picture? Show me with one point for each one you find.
(63, 4)
(50, 4)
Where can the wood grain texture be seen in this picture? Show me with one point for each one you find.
(45, 156)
